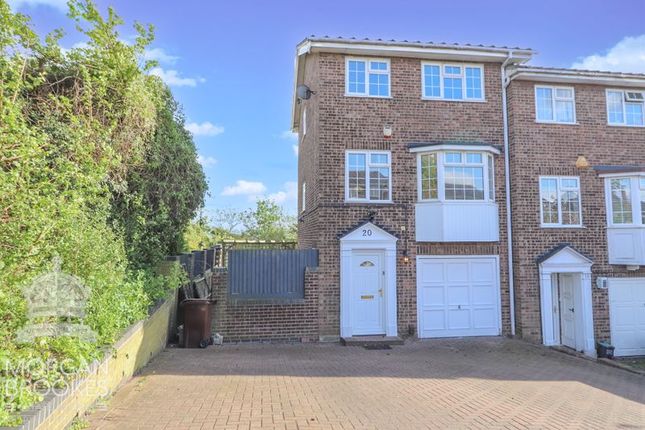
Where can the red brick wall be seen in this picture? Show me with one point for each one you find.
(550, 149)
(257, 320)
(338, 123)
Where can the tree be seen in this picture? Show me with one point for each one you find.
(268, 222)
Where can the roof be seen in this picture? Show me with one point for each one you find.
(398, 48)
(456, 144)
(542, 258)
(579, 76)
(618, 169)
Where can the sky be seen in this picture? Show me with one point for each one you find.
(230, 63)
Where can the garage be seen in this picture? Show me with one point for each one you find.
(627, 315)
(458, 296)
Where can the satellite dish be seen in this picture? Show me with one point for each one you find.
(303, 92)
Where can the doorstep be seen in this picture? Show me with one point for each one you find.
(371, 341)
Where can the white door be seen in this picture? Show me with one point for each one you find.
(367, 290)
(458, 296)
(567, 310)
(627, 315)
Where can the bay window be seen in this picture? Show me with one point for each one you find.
(626, 201)
(456, 176)
(367, 176)
(560, 201)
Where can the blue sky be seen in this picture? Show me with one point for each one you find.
(230, 63)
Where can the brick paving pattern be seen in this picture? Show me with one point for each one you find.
(455, 383)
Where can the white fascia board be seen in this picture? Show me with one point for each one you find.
(578, 77)
(453, 147)
(421, 52)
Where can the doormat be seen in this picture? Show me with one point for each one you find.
(375, 347)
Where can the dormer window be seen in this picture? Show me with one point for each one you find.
(462, 82)
(367, 77)
(625, 108)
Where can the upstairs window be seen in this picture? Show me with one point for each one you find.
(625, 108)
(369, 78)
(555, 104)
(456, 176)
(452, 81)
(367, 176)
(560, 201)
(304, 196)
(304, 121)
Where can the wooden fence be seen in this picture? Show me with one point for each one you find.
(269, 273)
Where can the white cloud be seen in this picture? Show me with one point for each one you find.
(288, 193)
(158, 54)
(61, 5)
(289, 135)
(295, 149)
(206, 161)
(174, 79)
(204, 129)
(628, 55)
(245, 188)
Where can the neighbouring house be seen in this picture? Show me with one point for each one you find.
(404, 150)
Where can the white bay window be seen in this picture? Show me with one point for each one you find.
(625, 202)
(456, 193)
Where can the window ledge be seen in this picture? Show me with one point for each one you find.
(626, 226)
(369, 202)
(365, 96)
(566, 227)
(625, 125)
(456, 202)
(439, 99)
(556, 122)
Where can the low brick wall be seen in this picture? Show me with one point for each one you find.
(266, 320)
(133, 351)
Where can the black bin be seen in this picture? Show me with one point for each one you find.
(605, 350)
(198, 315)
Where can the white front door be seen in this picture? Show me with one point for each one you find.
(567, 310)
(367, 291)
(627, 315)
(458, 296)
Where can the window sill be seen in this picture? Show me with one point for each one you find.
(625, 125)
(456, 202)
(366, 96)
(566, 227)
(369, 202)
(625, 226)
(439, 99)
(556, 122)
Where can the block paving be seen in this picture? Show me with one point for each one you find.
(437, 384)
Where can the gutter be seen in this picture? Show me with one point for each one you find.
(507, 177)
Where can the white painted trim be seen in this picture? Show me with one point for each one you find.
(463, 67)
(384, 242)
(367, 77)
(553, 104)
(463, 257)
(367, 154)
(547, 269)
(559, 224)
(572, 76)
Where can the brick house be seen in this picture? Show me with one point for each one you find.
(403, 154)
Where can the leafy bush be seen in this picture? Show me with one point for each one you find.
(95, 167)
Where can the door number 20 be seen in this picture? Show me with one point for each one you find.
(367, 232)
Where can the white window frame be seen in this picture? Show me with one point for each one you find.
(624, 123)
(559, 190)
(463, 67)
(304, 121)
(554, 99)
(368, 165)
(634, 178)
(367, 61)
(441, 179)
(304, 196)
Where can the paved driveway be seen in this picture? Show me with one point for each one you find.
(456, 383)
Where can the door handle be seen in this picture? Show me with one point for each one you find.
(571, 310)
(380, 292)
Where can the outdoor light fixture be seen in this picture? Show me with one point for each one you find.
(387, 131)
(581, 162)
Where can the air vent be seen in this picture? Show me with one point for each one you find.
(633, 96)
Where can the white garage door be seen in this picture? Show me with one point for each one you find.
(627, 315)
(458, 296)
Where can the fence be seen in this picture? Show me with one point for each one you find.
(269, 273)
(229, 245)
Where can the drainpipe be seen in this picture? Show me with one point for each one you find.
(507, 176)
